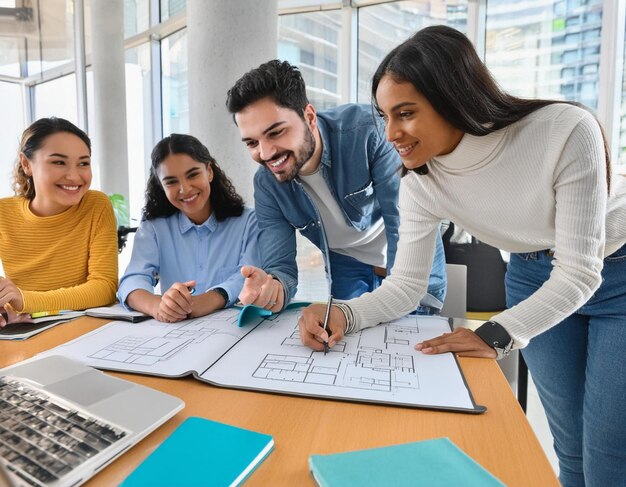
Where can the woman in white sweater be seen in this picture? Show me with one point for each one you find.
(531, 177)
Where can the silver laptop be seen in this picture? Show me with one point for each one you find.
(62, 421)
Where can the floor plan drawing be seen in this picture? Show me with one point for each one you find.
(377, 364)
(356, 362)
(173, 339)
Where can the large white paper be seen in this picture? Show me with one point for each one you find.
(153, 347)
(378, 364)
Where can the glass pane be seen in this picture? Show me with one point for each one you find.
(136, 16)
(11, 127)
(383, 27)
(175, 85)
(139, 120)
(311, 41)
(57, 98)
(10, 56)
(51, 42)
(547, 49)
(91, 123)
(171, 7)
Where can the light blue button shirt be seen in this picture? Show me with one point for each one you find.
(174, 249)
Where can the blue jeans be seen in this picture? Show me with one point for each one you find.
(579, 368)
(351, 278)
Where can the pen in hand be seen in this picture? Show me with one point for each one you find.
(328, 306)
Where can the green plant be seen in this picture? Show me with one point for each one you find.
(121, 209)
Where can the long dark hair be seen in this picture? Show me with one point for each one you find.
(32, 140)
(225, 201)
(441, 63)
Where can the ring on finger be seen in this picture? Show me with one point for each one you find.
(271, 304)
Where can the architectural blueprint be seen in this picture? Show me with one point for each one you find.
(153, 347)
(378, 364)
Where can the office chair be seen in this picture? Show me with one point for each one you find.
(122, 235)
(455, 303)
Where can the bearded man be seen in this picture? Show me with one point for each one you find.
(330, 175)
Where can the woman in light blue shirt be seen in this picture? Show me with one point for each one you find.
(194, 237)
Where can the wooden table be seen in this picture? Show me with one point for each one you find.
(501, 439)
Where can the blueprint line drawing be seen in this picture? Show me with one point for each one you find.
(173, 339)
(377, 364)
(356, 362)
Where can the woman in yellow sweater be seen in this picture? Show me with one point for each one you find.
(58, 241)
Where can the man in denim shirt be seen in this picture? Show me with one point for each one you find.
(331, 176)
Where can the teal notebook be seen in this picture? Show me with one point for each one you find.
(202, 452)
(431, 463)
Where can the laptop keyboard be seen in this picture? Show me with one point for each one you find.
(42, 440)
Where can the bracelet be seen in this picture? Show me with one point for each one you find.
(348, 315)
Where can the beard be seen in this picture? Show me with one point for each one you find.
(302, 156)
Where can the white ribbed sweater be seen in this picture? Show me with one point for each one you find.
(539, 183)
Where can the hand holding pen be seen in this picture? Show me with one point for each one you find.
(311, 326)
(328, 306)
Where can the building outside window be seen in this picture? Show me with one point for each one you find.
(175, 86)
(382, 27)
(312, 41)
(546, 49)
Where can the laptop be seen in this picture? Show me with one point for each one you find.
(62, 421)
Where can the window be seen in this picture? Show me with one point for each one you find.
(57, 98)
(383, 27)
(11, 125)
(545, 49)
(10, 57)
(170, 8)
(51, 44)
(311, 41)
(175, 86)
(139, 118)
(136, 16)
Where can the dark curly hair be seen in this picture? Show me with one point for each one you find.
(32, 140)
(276, 79)
(225, 201)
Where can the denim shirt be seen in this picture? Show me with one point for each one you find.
(361, 170)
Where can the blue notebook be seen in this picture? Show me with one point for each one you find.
(202, 452)
(430, 463)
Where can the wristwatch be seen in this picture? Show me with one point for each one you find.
(494, 335)
(222, 292)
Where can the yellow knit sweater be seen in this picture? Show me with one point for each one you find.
(65, 261)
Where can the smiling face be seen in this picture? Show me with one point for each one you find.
(61, 172)
(416, 130)
(187, 185)
(279, 138)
